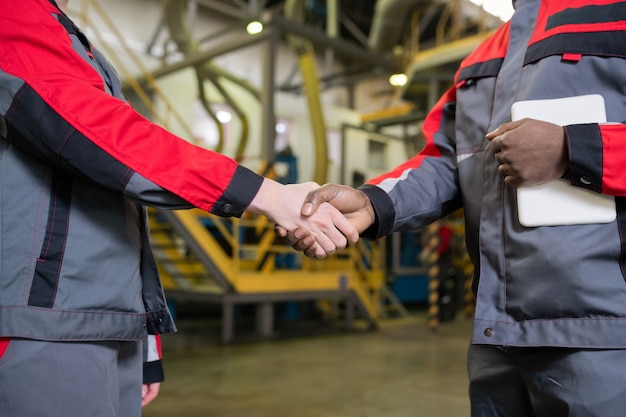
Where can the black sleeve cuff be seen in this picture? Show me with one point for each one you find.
(153, 372)
(243, 187)
(585, 154)
(384, 211)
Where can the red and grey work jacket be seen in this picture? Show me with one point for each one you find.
(549, 285)
(77, 165)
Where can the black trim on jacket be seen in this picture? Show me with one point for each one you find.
(587, 15)
(48, 269)
(609, 44)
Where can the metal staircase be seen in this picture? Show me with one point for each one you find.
(237, 261)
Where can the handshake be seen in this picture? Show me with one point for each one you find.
(312, 219)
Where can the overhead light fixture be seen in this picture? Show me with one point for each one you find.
(254, 27)
(398, 80)
(224, 116)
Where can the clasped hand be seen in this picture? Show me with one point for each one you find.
(333, 212)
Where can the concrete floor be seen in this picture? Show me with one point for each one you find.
(400, 370)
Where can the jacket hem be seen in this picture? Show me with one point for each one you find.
(590, 332)
(72, 325)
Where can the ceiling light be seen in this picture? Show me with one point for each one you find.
(254, 27)
(224, 116)
(398, 80)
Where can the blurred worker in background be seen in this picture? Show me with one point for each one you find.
(79, 288)
(549, 336)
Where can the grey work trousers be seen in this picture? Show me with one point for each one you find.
(75, 379)
(546, 382)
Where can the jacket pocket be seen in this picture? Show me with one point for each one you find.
(48, 269)
(475, 89)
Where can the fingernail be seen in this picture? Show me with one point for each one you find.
(493, 132)
(307, 208)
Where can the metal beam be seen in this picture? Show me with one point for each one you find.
(238, 42)
(343, 47)
(225, 9)
(276, 23)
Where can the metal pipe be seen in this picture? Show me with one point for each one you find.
(268, 132)
(387, 22)
(303, 48)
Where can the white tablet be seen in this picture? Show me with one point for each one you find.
(559, 203)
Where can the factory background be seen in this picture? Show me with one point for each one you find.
(301, 90)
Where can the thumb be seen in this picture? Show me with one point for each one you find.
(318, 196)
(502, 129)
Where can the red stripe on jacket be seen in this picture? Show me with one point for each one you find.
(494, 47)
(549, 9)
(430, 128)
(613, 160)
(4, 344)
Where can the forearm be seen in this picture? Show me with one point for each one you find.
(269, 200)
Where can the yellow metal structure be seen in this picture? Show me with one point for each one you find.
(196, 250)
(234, 261)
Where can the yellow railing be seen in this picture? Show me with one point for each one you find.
(245, 256)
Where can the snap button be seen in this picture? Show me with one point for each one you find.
(227, 208)
(489, 332)
(585, 180)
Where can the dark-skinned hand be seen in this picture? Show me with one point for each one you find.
(353, 204)
(529, 152)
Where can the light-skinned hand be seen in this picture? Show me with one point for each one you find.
(149, 392)
(326, 229)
